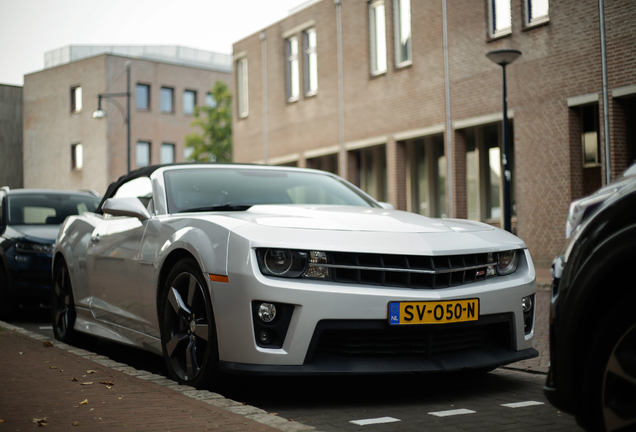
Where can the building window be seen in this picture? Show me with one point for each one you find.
(500, 19)
(143, 153)
(167, 153)
(242, 88)
(167, 100)
(426, 176)
(311, 62)
(590, 136)
(77, 157)
(377, 27)
(537, 11)
(189, 101)
(292, 68)
(484, 187)
(373, 178)
(326, 163)
(209, 101)
(76, 99)
(402, 26)
(142, 97)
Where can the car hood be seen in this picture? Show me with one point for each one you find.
(36, 233)
(349, 218)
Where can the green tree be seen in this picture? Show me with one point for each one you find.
(215, 143)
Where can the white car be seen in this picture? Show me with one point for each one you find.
(285, 271)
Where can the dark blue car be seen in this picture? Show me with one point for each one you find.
(30, 220)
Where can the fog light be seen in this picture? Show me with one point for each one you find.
(266, 312)
(264, 337)
(526, 304)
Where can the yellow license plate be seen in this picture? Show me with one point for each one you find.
(433, 312)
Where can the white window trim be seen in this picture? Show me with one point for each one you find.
(292, 65)
(242, 88)
(307, 53)
(374, 37)
(529, 21)
(396, 36)
(492, 32)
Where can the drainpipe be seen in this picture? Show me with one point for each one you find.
(264, 76)
(449, 130)
(608, 164)
(343, 150)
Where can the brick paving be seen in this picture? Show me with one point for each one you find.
(63, 387)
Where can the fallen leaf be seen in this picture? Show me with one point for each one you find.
(107, 382)
(72, 379)
(52, 367)
(21, 352)
(108, 387)
(92, 409)
(2, 421)
(77, 424)
(48, 344)
(84, 402)
(40, 422)
(87, 383)
(91, 371)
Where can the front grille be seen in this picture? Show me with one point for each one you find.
(426, 341)
(408, 271)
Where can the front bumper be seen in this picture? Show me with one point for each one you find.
(327, 308)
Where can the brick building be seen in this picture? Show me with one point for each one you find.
(66, 148)
(11, 136)
(399, 97)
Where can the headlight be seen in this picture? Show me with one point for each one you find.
(503, 263)
(27, 247)
(582, 208)
(292, 263)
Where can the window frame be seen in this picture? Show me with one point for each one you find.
(292, 69)
(137, 153)
(77, 156)
(194, 101)
(397, 30)
(493, 30)
(162, 93)
(242, 87)
(310, 61)
(147, 87)
(531, 21)
(76, 99)
(173, 148)
(377, 51)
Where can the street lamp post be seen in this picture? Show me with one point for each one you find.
(99, 113)
(503, 58)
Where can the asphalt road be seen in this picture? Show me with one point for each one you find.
(501, 400)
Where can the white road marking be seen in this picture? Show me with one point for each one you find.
(375, 421)
(452, 412)
(522, 404)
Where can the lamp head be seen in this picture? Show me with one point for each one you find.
(503, 57)
(98, 114)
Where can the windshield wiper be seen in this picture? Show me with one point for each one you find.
(219, 207)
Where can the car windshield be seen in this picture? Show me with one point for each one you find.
(226, 189)
(47, 208)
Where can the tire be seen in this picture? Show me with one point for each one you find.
(188, 333)
(63, 313)
(8, 306)
(609, 401)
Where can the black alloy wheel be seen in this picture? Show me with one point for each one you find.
(619, 384)
(188, 333)
(62, 306)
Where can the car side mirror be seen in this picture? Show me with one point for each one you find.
(130, 207)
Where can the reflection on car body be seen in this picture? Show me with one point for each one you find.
(274, 270)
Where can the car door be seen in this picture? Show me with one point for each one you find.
(113, 262)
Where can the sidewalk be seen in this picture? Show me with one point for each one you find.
(63, 387)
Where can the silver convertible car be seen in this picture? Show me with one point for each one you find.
(285, 271)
